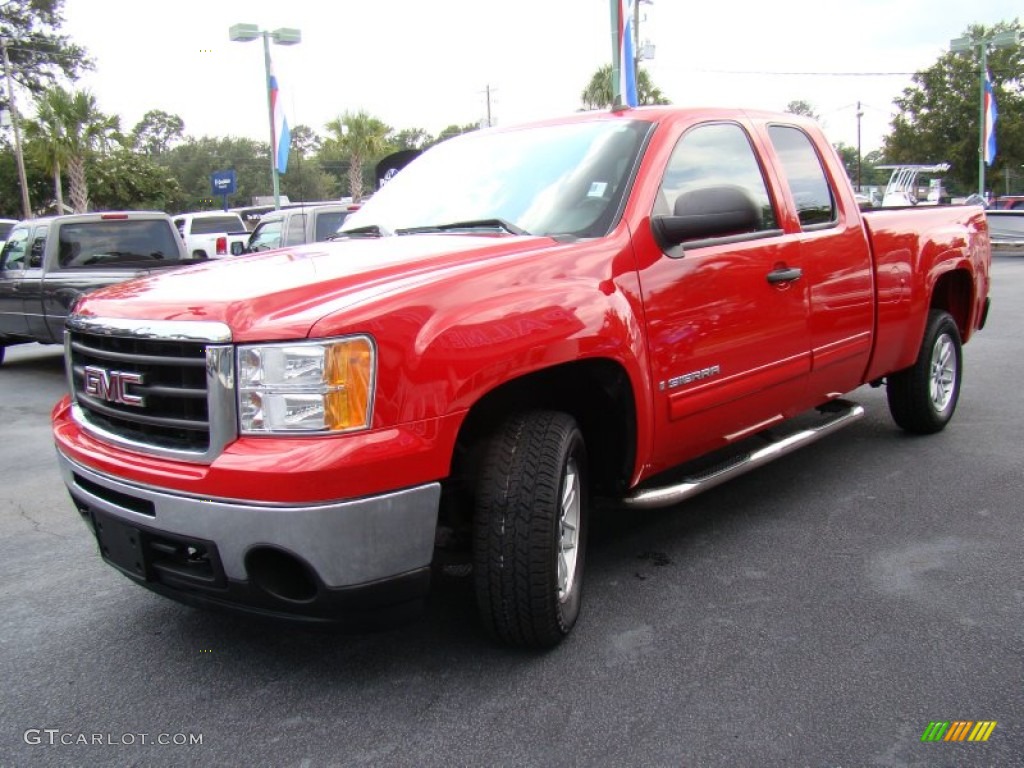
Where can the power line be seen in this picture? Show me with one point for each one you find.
(802, 74)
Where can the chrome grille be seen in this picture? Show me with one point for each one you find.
(180, 398)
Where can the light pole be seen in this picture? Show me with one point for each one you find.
(982, 43)
(243, 33)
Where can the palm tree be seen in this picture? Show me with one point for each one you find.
(598, 93)
(45, 138)
(362, 138)
(69, 127)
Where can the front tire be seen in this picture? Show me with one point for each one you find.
(530, 523)
(923, 397)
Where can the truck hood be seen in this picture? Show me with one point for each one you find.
(281, 294)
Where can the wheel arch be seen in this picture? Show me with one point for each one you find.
(596, 392)
(954, 293)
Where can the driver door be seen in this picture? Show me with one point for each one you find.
(728, 338)
(13, 260)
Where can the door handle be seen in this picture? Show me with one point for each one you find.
(785, 275)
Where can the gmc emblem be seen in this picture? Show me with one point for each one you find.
(112, 386)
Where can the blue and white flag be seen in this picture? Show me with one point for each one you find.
(991, 114)
(282, 136)
(627, 54)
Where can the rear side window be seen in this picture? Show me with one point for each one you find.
(296, 230)
(128, 242)
(715, 155)
(327, 223)
(814, 200)
(212, 225)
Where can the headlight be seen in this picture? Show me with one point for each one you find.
(321, 386)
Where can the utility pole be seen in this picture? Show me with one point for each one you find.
(26, 206)
(860, 114)
(488, 91)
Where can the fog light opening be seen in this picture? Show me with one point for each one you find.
(280, 575)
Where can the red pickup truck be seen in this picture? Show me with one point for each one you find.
(631, 306)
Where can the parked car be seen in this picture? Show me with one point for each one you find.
(298, 225)
(212, 234)
(48, 263)
(634, 305)
(1008, 203)
(1006, 228)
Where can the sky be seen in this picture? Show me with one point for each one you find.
(416, 64)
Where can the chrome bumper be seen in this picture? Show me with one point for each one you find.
(346, 543)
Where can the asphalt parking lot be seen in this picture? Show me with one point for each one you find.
(822, 611)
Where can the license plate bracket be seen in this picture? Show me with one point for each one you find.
(121, 545)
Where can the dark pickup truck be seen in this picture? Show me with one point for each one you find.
(47, 263)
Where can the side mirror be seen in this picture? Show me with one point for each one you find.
(707, 212)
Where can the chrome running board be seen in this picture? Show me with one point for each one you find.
(841, 413)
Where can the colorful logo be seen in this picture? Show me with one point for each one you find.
(958, 730)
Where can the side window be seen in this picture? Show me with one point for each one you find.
(327, 223)
(35, 256)
(715, 155)
(815, 203)
(14, 252)
(296, 230)
(266, 236)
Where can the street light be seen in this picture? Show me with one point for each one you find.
(244, 33)
(967, 44)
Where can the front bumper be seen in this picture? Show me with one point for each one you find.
(336, 561)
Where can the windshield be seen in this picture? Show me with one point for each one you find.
(549, 180)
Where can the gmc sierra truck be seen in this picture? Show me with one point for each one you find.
(630, 306)
(47, 263)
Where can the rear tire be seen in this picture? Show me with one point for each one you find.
(923, 397)
(530, 524)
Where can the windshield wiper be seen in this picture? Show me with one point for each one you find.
(370, 230)
(470, 225)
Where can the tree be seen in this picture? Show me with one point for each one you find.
(305, 141)
(937, 118)
(192, 162)
(45, 139)
(38, 180)
(411, 138)
(39, 54)
(848, 155)
(453, 130)
(123, 180)
(73, 130)
(361, 138)
(307, 180)
(802, 108)
(598, 93)
(157, 131)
